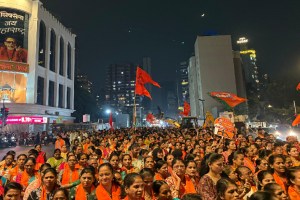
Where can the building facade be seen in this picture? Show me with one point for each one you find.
(183, 83)
(211, 70)
(38, 65)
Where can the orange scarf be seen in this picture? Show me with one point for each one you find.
(102, 194)
(294, 195)
(189, 185)
(248, 163)
(69, 176)
(80, 193)
(59, 143)
(158, 177)
(280, 181)
(25, 178)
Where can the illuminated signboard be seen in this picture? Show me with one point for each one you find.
(25, 120)
(13, 40)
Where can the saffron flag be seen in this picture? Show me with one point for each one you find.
(142, 77)
(111, 121)
(228, 98)
(186, 109)
(296, 121)
(224, 127)
(298, 87)
(150, 118)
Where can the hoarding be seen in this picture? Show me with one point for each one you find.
(13, 39)
(25, 120)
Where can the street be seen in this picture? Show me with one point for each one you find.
(24, 149)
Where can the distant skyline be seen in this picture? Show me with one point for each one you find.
(123, 31)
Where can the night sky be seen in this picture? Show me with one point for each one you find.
(122, 31)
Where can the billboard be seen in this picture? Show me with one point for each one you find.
(13, 40)
(25, 120)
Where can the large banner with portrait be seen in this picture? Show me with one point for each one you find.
(13, 39)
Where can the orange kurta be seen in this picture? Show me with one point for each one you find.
(248, 163)
(294, 195)
(281, 181)
(101, 193)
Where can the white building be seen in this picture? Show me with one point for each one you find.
(42, 85)
(211, 70)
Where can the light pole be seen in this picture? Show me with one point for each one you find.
(202, 101)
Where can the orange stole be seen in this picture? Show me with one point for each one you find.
(25, 178)
(102, 194)
(280, 182)
(188, 188)
(69, 176)
(80, 193)
(158, 177)
(59, 143)
(248, 163)
(294, 195)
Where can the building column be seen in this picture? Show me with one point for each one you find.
(72, 77)
(56, 88)
(47, 56)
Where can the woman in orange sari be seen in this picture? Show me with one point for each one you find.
(86, 189)
(49, 185)
(29, 174)
(191, 171)
(180, 184)
(7, 166)
(19, 167)
(114, 161)
(161, 190)
(108, 189)
(277, 164)
(70, 173)
(127, 165)
(161, 170)
(294, 180)
(147, 176)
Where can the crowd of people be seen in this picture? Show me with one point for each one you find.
(156, 164)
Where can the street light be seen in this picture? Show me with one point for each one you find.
(202, 101)
(108, 111)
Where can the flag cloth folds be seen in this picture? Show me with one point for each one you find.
(186, 109)
(150, 118)
(296, 121)
(142, 77)
(111, 121)
(228, 98)
(298, 87)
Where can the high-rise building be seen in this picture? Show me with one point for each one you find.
(211, 70)
(250, 67)
(37, 65)
(120, 87)
(84, 82)
(183, 83)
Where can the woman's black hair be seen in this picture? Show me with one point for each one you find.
(52, 170)
(156, 186)
(222, 186)
(191, 196)
(177, 153)
(45, 165)
(211, 158)
(289, 147)
(262, 195)
(270, 187)
(56, 151)
(261, 175)
(130, 178)
(155, 152)
(272, 159)
(126, 154)
(81, 154)
(30, 159)
(63, 190)
(33, 152)
(291, 174)
(143, 151)
(14, 186)
(112, 155)
(233, 156)
(146, 172)
(176, 160)
(159, 164)
(190, 156)
(263, 153)
(22, 155)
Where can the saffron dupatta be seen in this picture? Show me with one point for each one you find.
(102, 194)
(24, 181)
(69, 176)
(80, 193)
(281, 182)
(294, 195)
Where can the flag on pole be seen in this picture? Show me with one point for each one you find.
(296, 121)
(298, 87)
(111, 121)
(186, 109)
(142, 77)
(229, 99)
(150, 118)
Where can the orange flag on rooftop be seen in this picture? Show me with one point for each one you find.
(142, 77)
(296, 121)
(186, 109)
(298, 87)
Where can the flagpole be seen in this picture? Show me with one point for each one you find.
(134, 111)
